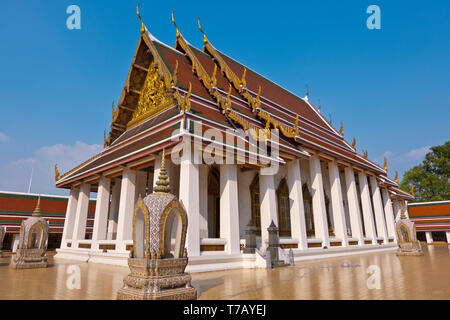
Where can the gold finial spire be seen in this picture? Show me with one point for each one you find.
(402, 215)
(57, 175)
(37, 210)
(205, 40)
(173, 21)
(396, 177)
(354, 143)
(385, 164)
(162, 185)
(341, 131)
(412, 190)
(365, 154)
(139, 16)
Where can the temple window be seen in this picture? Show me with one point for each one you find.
(214, 203)
(256, 204)
(284, 217)
(309, 218)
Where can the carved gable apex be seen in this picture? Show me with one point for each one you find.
(153, 99)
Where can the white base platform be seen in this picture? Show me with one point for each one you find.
(214, 261)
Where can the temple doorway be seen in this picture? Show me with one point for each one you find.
(214, 203)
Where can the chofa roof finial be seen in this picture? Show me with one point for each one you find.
(162, 184)
(139, 16)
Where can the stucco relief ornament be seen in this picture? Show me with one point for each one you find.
(158, 258)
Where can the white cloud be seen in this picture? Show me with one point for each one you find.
(15, 176)
(418, 154)
(403, 161)
(4, 137)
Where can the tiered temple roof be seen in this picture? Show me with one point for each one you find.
(168, 88)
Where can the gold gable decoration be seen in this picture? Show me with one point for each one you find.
(154, 98)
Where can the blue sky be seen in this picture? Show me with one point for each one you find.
(390, 87)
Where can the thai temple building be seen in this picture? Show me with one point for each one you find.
(16, 207)
(432, 220)
(276, 158)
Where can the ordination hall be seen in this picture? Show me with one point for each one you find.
(289, 168)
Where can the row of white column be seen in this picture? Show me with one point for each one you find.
(189, 194)
(382, 205)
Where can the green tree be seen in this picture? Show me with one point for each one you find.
(431, 179)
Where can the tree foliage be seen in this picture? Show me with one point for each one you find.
(431, 179)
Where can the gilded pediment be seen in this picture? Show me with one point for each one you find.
(154, 97)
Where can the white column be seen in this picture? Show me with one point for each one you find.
(268, 209)
(69, 220)
(447, 234)
(101, 210)
(79, 229)
(367, 208)
(229, 208)
(378, 209)
(318, 202)
(298, 226)
(189, 195)
(126, 208)
(337, 201)
(114, 210)
(429, 237)
(389, 213)
(353, 205)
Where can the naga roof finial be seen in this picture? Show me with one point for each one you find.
(354, 143)
(396, 177)
(341, 131)
(385, 164)
(139, 16)
(412, 190)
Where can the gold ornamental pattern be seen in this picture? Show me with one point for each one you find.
(154, 98)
